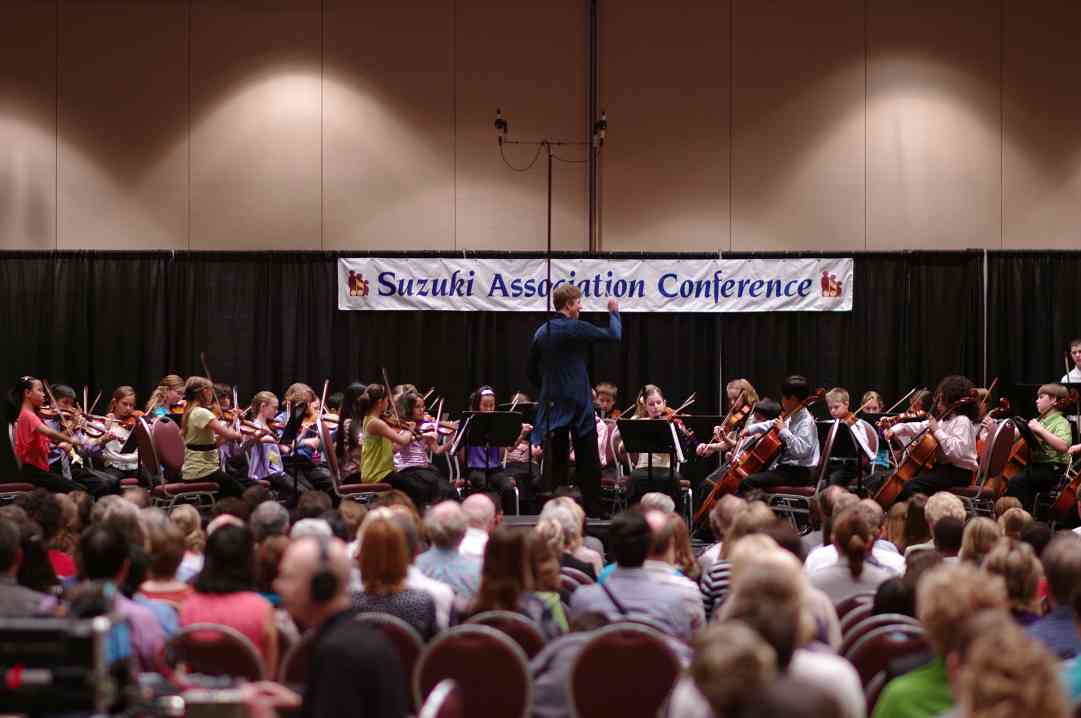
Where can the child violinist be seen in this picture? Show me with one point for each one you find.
(842, 471)
(412, 461)
(1048, 462)
(742, 399)
(606, 395)
(651, 405)
(32, 437)
(799, 436)
(307, 460)
(201, 431)
(166, 395)
(120, 422)
(872, 405)
(377, 439)
(955, 457)
(264, 455)
(485, 464)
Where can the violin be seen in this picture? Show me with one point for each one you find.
(919, 456)
(888, 422)
(753, 459)
(128, 422)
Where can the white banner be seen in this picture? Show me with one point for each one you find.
(640, 285)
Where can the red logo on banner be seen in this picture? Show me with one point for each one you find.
(358, 285)
(830, 286)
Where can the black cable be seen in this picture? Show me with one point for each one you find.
(527, 167)
(570, 162)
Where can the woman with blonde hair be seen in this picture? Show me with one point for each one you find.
(980, 536)
(165, 396)
(1016, 562)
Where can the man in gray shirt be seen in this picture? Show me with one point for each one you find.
(15, 601)
(631, 592)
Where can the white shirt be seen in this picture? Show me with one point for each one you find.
(956, 440)
(824, 556)
(474, 543)
(1073, 377)
(709, 557)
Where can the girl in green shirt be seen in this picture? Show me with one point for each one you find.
(378, 438)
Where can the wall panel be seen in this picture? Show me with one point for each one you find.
(28, 125)
(388, 125)
(255, 125)
(798, 125)
(1042, 113)
(123, 125)
(665, 168)
(934, 140)
(530, 60)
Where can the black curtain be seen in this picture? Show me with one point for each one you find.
(1034, 310)
(265, 320)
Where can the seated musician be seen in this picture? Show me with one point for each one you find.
(485, 464)
(167, 394)
(605, 396)
(765, 410)
(201, 429)
(795, 463)
(264, 457)
(651, 405)
(306, 461)
(742, 399)
(955, 458)
(1048, 462)
(65, 459)
(520, 464)
(121, 408)
(872, 404)
(842, 472)
(412, 461)
(1074, 375)
(32, 437)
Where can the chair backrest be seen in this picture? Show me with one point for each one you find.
(874, 651)
(326, 447)
(857, 632)
(293, 671)
(855, 615)
(214, 650)
(846, 605)
(633, 664)
(523, 631)
(405, 639)
(149, 463)
(11, 438)
(567, 586)
(445, 701)
(169, 445)
(581, 577)
(825, 450)
(490, 668)
(996, 450)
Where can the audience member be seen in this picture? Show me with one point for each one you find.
(720, 519)
(225, 593)
(980, 536)
(714, 584)
(656, 501)
(1014, 521)
(338, 530)
(165, 552)
(574, 534)
(851, 573)
(1019, 568)
(569, 529)
(684, 560)
(67, 538)
(353, 513)
(660, 564)
(384, 563)
(446, 525)
(790, 697)
(312, 503)
(883, 554)
(1062, 567)
(317, 528)
(353, 669)
(42, 507)
(731, 662)
(16, 601)
(544, 563)
(948, 535)
(1004, 504)
(187, 519)
(895, 525)
(480, 518)
(268, 519)
(938, 507)
(916, 531)
(1037, 535)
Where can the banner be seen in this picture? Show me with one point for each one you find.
(640, 285)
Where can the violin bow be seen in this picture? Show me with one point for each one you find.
(64, 421)
(92, 406)
(902, 399)
(390, 399)
(685, 404)
(323, 400)
(206, 370)
(857, 412)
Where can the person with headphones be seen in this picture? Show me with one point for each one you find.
(353, 669)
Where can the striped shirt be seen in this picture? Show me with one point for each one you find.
(714, 585)
(415, 453)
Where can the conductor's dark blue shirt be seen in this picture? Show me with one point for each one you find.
(557, 364)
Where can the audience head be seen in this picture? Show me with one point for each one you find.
(948, 594)
(479, 512)
(552, 533)
(730, 662)
(1019, 568)
(10, 548)
(655, 500)
(41, 506)
(404, 521)
(873, 514)
(255, 495)
(397, 499)
(104, 553)
(268, 519)
(353, 513)
(916, 529)
(828, 508)
(544, 562)
(723, 513)
(662, 547)
(311, 527)
(1037, 535)
(35, 570)
(224, 520)
(980, 536)
(137, 496)
(445, 524)
(336, 525)
(895, 524)
(751, 520)
(187, 519)
(327, 562)
(164, 547)
(506, 574)
(630, 538)
(231, 506)
(312, 504)
(853, 538)
(894, 596)
(948, 534)
(115, 511)
(1014, 521)
(941, 505)
(684, 558)
(384, 556)
(268, 557)
(230, 562)
(786, 537)
(568, 523)
(1062, 566)
(1006, 503)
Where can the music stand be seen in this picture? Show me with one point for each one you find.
(289, 436)
(528, 412)
(500, 429)
(846, 449)
(652, 436)
(701, 425)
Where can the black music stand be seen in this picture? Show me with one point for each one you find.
(500, 429)
(646, 436)
(289, 436)
(845, 449)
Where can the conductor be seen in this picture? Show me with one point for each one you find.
(557, 364)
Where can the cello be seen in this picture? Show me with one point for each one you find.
(919, 456)
(753, 459)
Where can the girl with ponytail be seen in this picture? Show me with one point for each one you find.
(855, 571)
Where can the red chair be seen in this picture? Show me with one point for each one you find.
(489, 668)
(843, 607)
(855, 615)
(293, 671)
(979, 498)
(445, 701)
(405, 639)
(581, 577)
(567, 586)
(876, 649)
(9, 491)
(161, 455)
(871, 623)
(213, 650)
(522, 630)
(624, 670)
